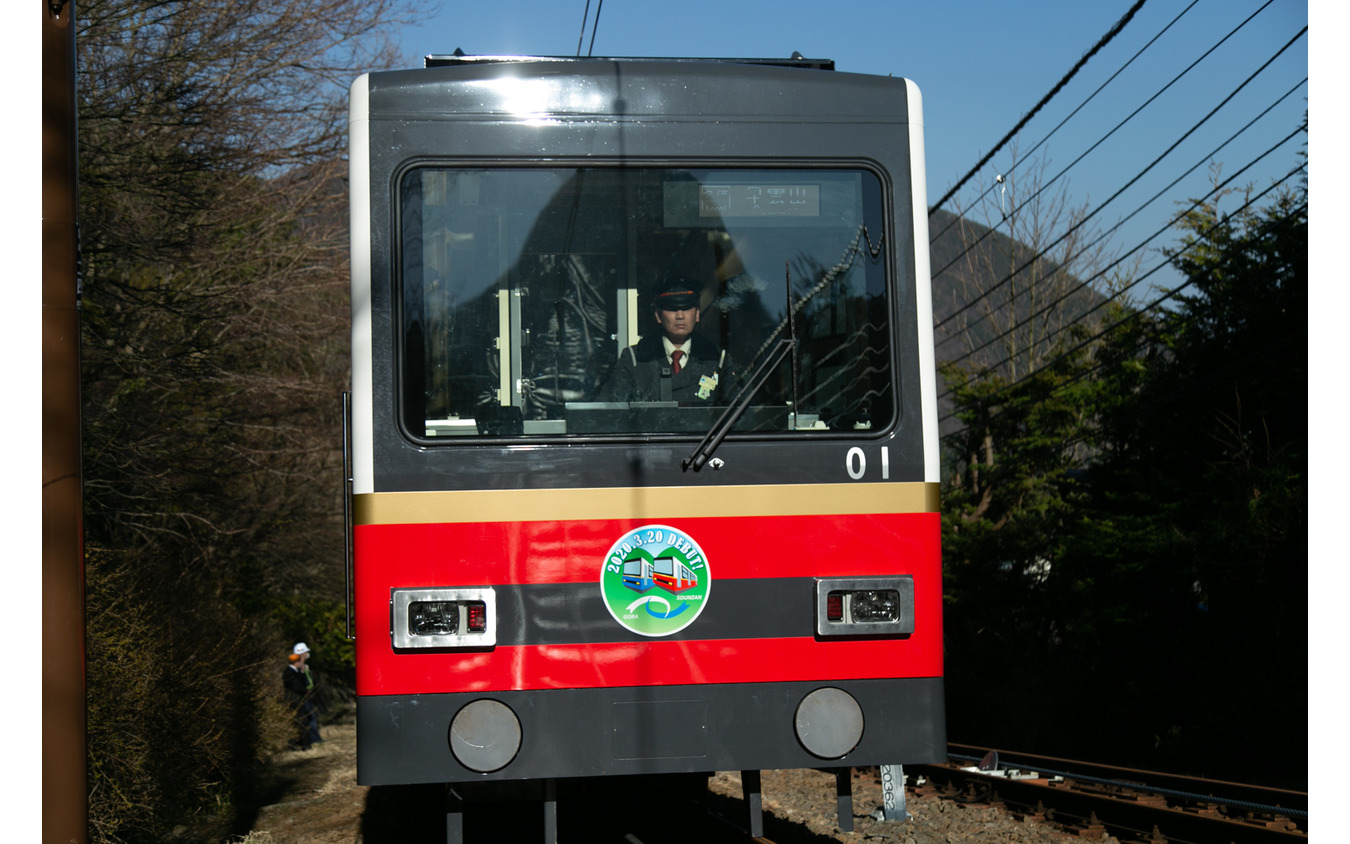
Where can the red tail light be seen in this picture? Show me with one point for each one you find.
(477, 621)
(834, 610)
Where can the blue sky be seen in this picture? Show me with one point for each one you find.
(981, 65)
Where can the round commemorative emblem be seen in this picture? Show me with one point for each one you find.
(655, 580)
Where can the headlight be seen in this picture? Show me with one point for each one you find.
(871, 606)
(443, 618)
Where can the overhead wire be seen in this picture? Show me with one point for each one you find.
(1148, 339)
(1103, 139)
(1156, 303)
(1142, 278)
(1102, 272)
(999, 409)
(1105, 39)
(585, 16)
(1101, 237)
(999, 401)
(1090, 97)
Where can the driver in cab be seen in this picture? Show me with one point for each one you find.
(673, 364)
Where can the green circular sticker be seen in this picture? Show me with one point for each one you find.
(655, 580)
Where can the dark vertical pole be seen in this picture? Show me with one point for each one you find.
(454, 815)
(843, 789)
(550, 811)
(754, 802)
(65, 810)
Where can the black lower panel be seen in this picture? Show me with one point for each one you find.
(404, 739)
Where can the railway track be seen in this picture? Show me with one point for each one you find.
(1134, 806)
(1082, 799)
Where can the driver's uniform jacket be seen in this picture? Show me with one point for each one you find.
(705, 376)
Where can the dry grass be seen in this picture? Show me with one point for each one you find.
(319, 800)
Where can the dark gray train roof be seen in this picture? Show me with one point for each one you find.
(639, 90)
(460, 58)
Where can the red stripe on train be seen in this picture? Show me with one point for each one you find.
(442, 555)
(489, 553)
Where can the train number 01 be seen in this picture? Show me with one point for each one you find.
(855, 463)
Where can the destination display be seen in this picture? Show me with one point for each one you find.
(766, 200)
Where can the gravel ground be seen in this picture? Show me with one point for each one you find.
(311, 797)
(806, 798)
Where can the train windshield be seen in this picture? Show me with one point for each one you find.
(621, 301)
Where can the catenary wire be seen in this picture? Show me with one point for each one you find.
(1152, 306)
(996, 411)
(1100, 141)
(1132, 285)
(1155, 303)
(1156, 161)
(1103, 139)
(1117, 295)
(599, 7)
(585, 16)
(1131, 116)
(1143, 343)
(1078, 108)
(970, 353)
(1105, 39)
(1045, 185)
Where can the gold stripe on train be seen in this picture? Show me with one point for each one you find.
(531, 505)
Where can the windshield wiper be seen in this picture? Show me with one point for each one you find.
(711, 440)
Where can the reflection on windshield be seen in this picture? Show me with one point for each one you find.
(557, 302)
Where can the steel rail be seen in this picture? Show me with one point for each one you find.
(1132, 812)
(1257, 797)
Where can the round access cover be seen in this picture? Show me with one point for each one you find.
(485, 735)
(829, 723)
